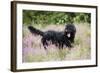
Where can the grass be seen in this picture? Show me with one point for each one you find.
(33, 50)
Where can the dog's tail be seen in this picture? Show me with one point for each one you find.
(35, 31)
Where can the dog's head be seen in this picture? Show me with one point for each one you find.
(70, 30)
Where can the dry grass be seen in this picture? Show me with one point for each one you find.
(33, 50)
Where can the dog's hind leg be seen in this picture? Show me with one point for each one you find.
(44, 43)
(62, 46)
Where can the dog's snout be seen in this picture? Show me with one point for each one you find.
(68, 35)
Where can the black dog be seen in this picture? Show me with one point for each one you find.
(70, 31)
(58, 38)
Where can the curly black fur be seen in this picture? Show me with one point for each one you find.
(58, 38)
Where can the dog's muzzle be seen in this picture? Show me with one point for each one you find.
(68, 35)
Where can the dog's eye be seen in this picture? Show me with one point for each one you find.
(68, 35)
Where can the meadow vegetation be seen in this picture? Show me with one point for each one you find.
(33, 50)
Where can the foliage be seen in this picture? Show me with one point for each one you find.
(54, 17)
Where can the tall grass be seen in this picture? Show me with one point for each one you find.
(33, 50)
